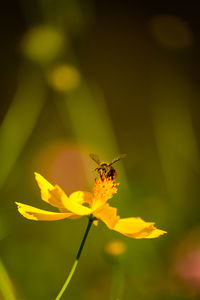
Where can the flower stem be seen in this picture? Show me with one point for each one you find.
(117, 281)
(76, 260)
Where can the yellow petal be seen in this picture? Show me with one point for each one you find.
(72, 204)
(57, 197)
(78, 197)
(108, 215)
(44, 186)
(155, 233)
(49, 193)
(36, 214)
(81, 197)
(137, 228)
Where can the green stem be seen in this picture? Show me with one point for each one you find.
(117, 281)
(76, 260)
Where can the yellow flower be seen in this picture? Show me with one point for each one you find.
(94, 204)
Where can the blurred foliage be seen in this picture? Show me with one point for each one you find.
(107, 78)
(6, 288)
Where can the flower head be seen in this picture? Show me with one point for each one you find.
(81, 203)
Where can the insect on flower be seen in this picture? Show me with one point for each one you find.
(105, 169)
(93, 205)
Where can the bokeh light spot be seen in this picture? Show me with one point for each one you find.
(187, 260)
(115, 248)
(43, 43)
(171, 31)
(64, 78)
(61, 163)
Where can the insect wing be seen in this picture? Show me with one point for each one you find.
(95, 158)
(117, 158)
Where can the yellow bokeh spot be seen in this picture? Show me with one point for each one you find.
(115, 248)
(43, 44)
(64, 78)
(171, 31)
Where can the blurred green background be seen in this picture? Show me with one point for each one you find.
(104, 77)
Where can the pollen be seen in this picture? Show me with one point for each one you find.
(105, 189)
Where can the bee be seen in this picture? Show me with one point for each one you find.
(105, 169)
